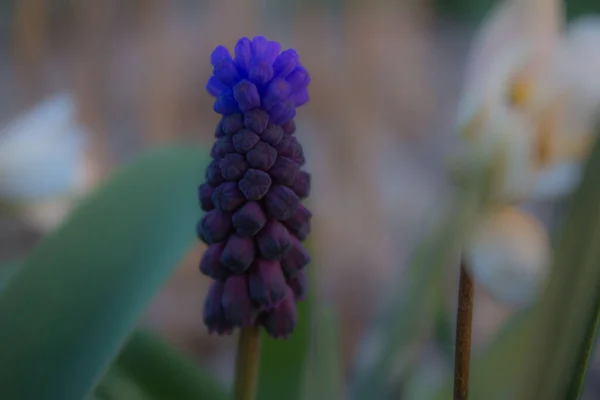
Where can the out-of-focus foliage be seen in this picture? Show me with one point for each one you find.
(163, 373)
(7, 271)
(413, 308)
(496, 370)
(473, 10)
(567, 315)
(466, 10)
(324, 378)
(71, 305)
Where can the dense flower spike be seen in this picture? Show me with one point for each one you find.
(255, 222)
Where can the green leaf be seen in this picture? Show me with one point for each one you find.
(566, 317)
(283, 362)
(413, 307)
(579, 8)
(496, 370)
(163, 372)
(7, 272)
(444, 329)
(468, 11)
(424, 381)
(324, 373)
(116, 385)
(474, 11)
(68, 311)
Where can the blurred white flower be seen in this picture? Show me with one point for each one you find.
(531, 96)
(573, 107)
(530, 106)
(508, 254)
(42, 152)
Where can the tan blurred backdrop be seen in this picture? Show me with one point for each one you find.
(385, 79)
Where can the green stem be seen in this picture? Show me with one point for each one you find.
(589, 344)
(246, 364)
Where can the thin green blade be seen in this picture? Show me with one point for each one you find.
(164, 373)
(65, 315)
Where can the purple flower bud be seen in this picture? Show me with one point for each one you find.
(243, 54)
(200, 232)
(232, 123)
(303, 232)
(244, 141)
(296, 259)
(210, 264)
(255, 184)
(267, 283)
(215, 87)
(220, 53)
(256, 120)
(298, 79)
(222, 147)
(277, 91)
(260, 71)
(238, 253)
(236, 303)
(273, 51)
(204, 193)
(301, 185)
(262, 156)
(299, 285)
(281, 203)
(281, 321)
(272, 134)
(233, 166)
(289, 127)
(259, 46)
(300, 98)
(216, 225)
(274, 241)
(227, 197)
(299, 224)
(285, 63)
(249, 219)
(225, 104)
(226, 71)
(282, 112)
(246, 94)
(262, 48)
(213, 174)
(219, 130)
(290, 147)
(284, 171)
(214, 317)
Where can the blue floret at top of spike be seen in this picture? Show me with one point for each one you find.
(254, 222)
(258, 76)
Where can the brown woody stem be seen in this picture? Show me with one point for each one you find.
(464, 318)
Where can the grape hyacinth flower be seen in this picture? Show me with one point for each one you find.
(255, 223)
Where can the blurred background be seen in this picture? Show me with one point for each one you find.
(87, 85)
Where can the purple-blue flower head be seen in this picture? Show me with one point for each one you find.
(254, 223)
(258, 77)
